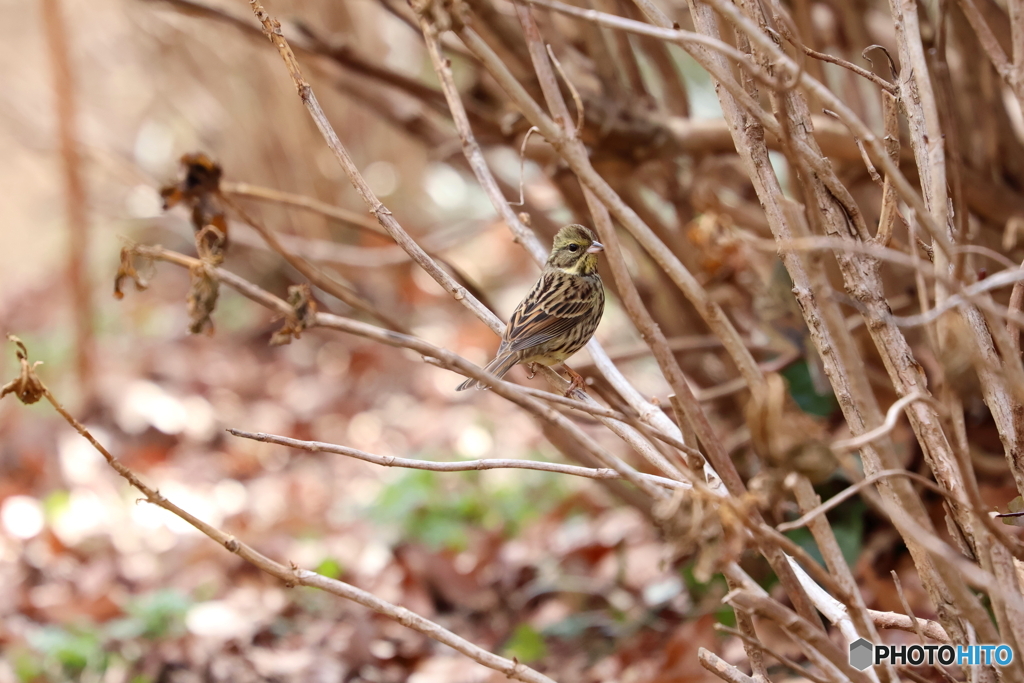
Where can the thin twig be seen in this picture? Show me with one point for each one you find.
(464, 466)
(1016, 302)
(315, 275)
(891, 416)
(522, 167)
(348, 255)
(860, 71)
(337, 213)
(890, 210)
(994, 51)
(849, 492)
(721, 668)
(596, 410)
(781, 658)
(580, 113)
(917, 627)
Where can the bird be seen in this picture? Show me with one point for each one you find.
(559, 315)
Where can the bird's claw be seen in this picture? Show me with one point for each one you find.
(576, 382)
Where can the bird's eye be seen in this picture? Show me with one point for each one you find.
(574, 247)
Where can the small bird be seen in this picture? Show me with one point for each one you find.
(559, 315)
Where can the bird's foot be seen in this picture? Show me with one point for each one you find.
(577, 382)
(532, 369)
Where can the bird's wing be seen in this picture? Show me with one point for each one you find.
(554, 305)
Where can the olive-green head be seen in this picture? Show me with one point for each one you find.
(575, 250)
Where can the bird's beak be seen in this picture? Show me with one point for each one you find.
(595, 247)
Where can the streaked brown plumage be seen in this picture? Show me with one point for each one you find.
(559, 315)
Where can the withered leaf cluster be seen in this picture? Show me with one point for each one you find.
(199, 189)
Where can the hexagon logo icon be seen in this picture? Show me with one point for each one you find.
(862, 652)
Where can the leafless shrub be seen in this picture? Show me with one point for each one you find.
(901, 174)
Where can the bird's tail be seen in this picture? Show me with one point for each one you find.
(501, 364)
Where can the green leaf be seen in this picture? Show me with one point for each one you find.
(27, 666)
(56, 503)
(849, 529)
(803, 538)
(801, 388)
(697, 589)
(726, 616)
(73, 650)
(441, 511)
(153, 615)
(329, 567)
(847, 523)
(526, 644)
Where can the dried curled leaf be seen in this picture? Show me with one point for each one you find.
(202, 300)
(725, 548)
(958, 353)
(721, 252)
(27, 387)
(211, 244)
(199, 189)
(300, 298)
(695, 524)
(785, 437)
(126, 270)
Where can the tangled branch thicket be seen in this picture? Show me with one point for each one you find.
(877, 150)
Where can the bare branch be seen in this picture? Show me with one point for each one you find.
(308, 203)
(464, 466)
(849, 492)
(315, 275)
(721, 668)
(901, 622)
(781, 658)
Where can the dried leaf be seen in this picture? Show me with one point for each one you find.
(957, 354)
(199, 189)
(304, 307)
(693, 524)
(27, 387)
(126, 270)
(202, 299)
(785, 437)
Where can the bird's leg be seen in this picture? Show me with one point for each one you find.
(532, 369)
(577, 381)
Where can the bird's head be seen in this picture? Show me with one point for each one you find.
(575, 250)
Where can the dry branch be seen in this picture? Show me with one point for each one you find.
(464, 466)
